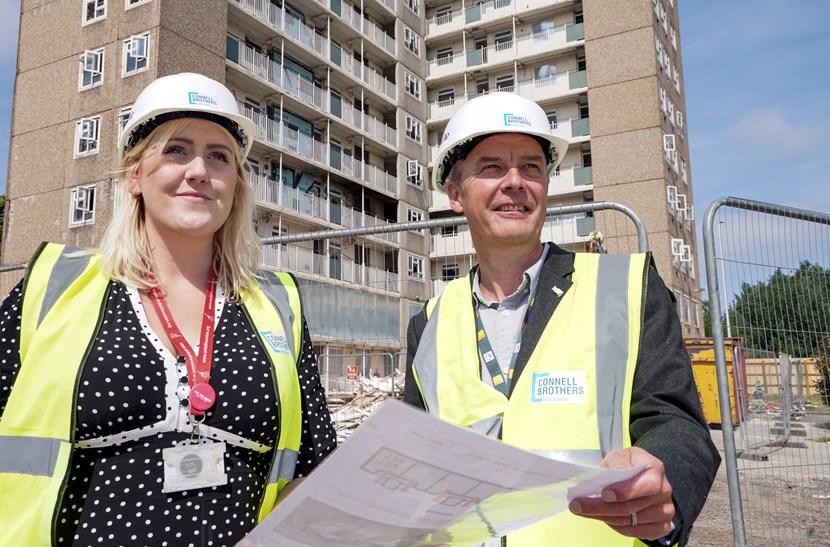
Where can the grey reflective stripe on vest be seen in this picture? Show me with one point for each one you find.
(283, 467)
(275, 292)
(611, 347)
(425, 362)
(66, 270)
(29, 455)
(489, 426)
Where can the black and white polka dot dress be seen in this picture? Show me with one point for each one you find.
(132, 403)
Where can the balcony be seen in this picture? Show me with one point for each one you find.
(261, 67)
(341, 268)
(547, 87)
(445, 23)
(449, 65)
(346, 12)
(284, 22)
(273, 195)
(369, 76)
(488, 11)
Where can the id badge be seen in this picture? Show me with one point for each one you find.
(194, 465)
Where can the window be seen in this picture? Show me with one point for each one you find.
(414, 173)
(685, 310)
(413, 85)
(413, 128)
(450, 272)
(579, 17)
(134, 3)
(580, 62)
(136, 52)
(662, 94)
(361, 255)
(695, 315)
(676, 78)
(444, 56)
(448, 231)
(680, 123)
(503, 40)
(412, 41)
(91, 69)
(412, 4)
(83, 206)
(443, 15)
(414, 216)
(504, 83)
(544, 75)
(446, 97)
(415, 267)
(658, 45)
(586, 157)
(86, 136)
(683, 169)
(94, 10)
(673, 36)
(553, 118)
(123, 117)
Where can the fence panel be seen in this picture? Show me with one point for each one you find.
(768, 274)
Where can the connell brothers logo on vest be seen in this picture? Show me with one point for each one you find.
(558, 386)
(277, 341)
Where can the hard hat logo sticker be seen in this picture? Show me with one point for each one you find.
(194, 97)
(515, 119)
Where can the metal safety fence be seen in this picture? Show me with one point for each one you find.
(359, 292)
(768, 276)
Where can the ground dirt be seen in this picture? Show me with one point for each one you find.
(785, 499)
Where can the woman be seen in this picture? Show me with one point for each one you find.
(158, 392)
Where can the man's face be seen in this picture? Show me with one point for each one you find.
(503, 191)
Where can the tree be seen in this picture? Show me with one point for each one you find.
(787, 313)
(707, 319)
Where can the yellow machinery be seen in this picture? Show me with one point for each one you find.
(702, 352)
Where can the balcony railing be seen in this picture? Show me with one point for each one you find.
(281, 20)
(296, 85)
(281, 196)
(341, 268)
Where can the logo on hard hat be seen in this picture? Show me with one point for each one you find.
(194, 97)
(515, 119)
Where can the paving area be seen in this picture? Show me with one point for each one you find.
(785, 490)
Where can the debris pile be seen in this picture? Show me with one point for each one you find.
(349, 409)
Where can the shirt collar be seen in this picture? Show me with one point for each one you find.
(530, 280)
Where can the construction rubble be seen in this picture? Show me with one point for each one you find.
(350, 409)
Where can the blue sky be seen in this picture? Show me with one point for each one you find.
(757, 101)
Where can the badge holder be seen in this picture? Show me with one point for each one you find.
(193, 464)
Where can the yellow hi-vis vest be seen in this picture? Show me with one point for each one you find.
(572, 399)
(64, 299)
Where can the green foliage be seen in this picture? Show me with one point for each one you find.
(707, 319)
(787, 313)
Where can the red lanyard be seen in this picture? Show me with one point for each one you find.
(202, 396)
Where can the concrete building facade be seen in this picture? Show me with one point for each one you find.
(349, 100)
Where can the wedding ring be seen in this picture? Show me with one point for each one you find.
(633, 518)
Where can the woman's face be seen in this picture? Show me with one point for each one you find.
(188, 184)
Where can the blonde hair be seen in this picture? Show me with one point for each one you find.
(125, 250)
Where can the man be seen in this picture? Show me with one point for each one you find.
(576, 356)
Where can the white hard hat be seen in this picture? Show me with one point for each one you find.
(185, 95)
(489, 115)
